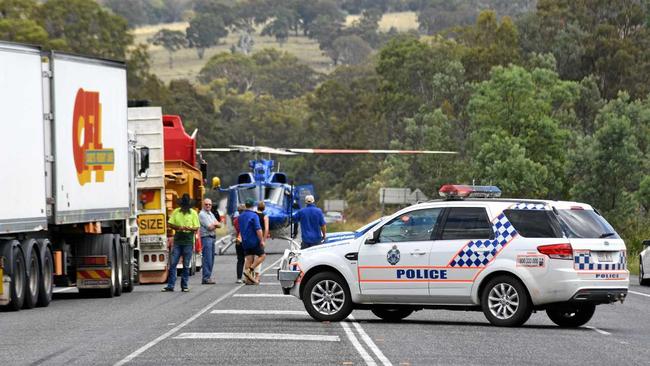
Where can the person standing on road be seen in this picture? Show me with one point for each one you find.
(238, 246)
(264, 222)
(252, 241)
(185, 222)
(312, 223)
(209, 224)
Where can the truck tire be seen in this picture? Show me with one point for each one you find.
(18, 285)
(505, 302)
(33, 272)
(47, 270)
(571, 316)
(109, 251)
(119, 265)
(327, 297)
(392, 315)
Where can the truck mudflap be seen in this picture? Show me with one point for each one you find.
(94, 277)
(5, 285)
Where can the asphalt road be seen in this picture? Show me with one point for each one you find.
(232, 324)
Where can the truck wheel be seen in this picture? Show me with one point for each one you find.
(642, 281)
(505, 302)
(392, 315)
(47, 270)
(571, 316)
(108, 250)
(327, 297)
(33, 271)
(118, 265)
(18, 278)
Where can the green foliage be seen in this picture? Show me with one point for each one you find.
(82, 26)
(204, 31)
(171, 40)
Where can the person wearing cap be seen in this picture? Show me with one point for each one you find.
(185, 222)
(252, 241)
(209, 224)
(312, 223)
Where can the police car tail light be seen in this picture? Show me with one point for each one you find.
(455, 191)
(557, 251)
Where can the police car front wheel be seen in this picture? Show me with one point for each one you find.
(327, 297)
(505, 302)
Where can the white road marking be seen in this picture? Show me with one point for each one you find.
(598, 330)
(260, 295)
(270, 275)
(180, 326)
(370, 343)
(63, 289)
(260, 312)
(638, 293)
(355, 342)
(264, 336)
(269, 283)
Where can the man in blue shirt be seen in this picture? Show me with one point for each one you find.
(312, 223)
(252, 241)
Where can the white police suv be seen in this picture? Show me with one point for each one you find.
(644, 264)
(506, 257)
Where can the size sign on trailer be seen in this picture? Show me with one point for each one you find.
(151, 224)
(91, 139)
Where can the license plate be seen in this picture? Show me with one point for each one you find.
(605, 256)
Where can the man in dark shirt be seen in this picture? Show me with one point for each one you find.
(312, 223)
(252, 241)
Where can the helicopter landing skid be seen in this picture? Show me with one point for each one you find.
(293, 245)
(224, 243)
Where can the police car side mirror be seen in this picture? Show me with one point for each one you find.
(373, 238)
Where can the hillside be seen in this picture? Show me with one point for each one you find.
(187, 64)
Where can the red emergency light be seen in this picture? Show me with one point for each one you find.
(457, 191)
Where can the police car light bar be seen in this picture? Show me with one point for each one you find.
(455, 191)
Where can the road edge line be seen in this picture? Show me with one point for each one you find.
(357, 345)
(370, 343)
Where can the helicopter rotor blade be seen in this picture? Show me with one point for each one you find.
(356, 151)
(216, 149)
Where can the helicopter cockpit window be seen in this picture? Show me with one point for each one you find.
(245, 193)
(274, 194)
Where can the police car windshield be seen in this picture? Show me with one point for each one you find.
(369, 225)
(586, 224)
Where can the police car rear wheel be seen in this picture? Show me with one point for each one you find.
(505, 302)
(571, 316)
(392, 315)
(327, 297)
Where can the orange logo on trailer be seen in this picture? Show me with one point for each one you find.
(88, 150)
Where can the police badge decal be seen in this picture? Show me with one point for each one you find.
(393, 255)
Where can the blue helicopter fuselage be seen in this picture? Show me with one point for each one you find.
(262, 184)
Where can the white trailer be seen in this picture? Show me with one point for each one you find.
(69, 206)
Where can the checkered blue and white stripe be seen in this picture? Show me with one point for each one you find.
(480, 252)
(528, 206)
(582, 261)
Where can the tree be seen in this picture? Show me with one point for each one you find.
(350, 50)
(85, 27)
(282, 75)
(17, 22)
(280, 26)
(171, 41)
(204, 31)
(238, 70)
(517, 107)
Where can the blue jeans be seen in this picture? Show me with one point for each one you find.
(208, 256)
(177, 251)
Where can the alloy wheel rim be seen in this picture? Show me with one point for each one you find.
(503, 301)
(327, 297)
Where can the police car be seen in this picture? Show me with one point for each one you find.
(505, 257)
(347, 235)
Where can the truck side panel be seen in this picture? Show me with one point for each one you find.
(22, 156)
(91, 140)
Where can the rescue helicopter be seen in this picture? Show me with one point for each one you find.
(280, 196)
